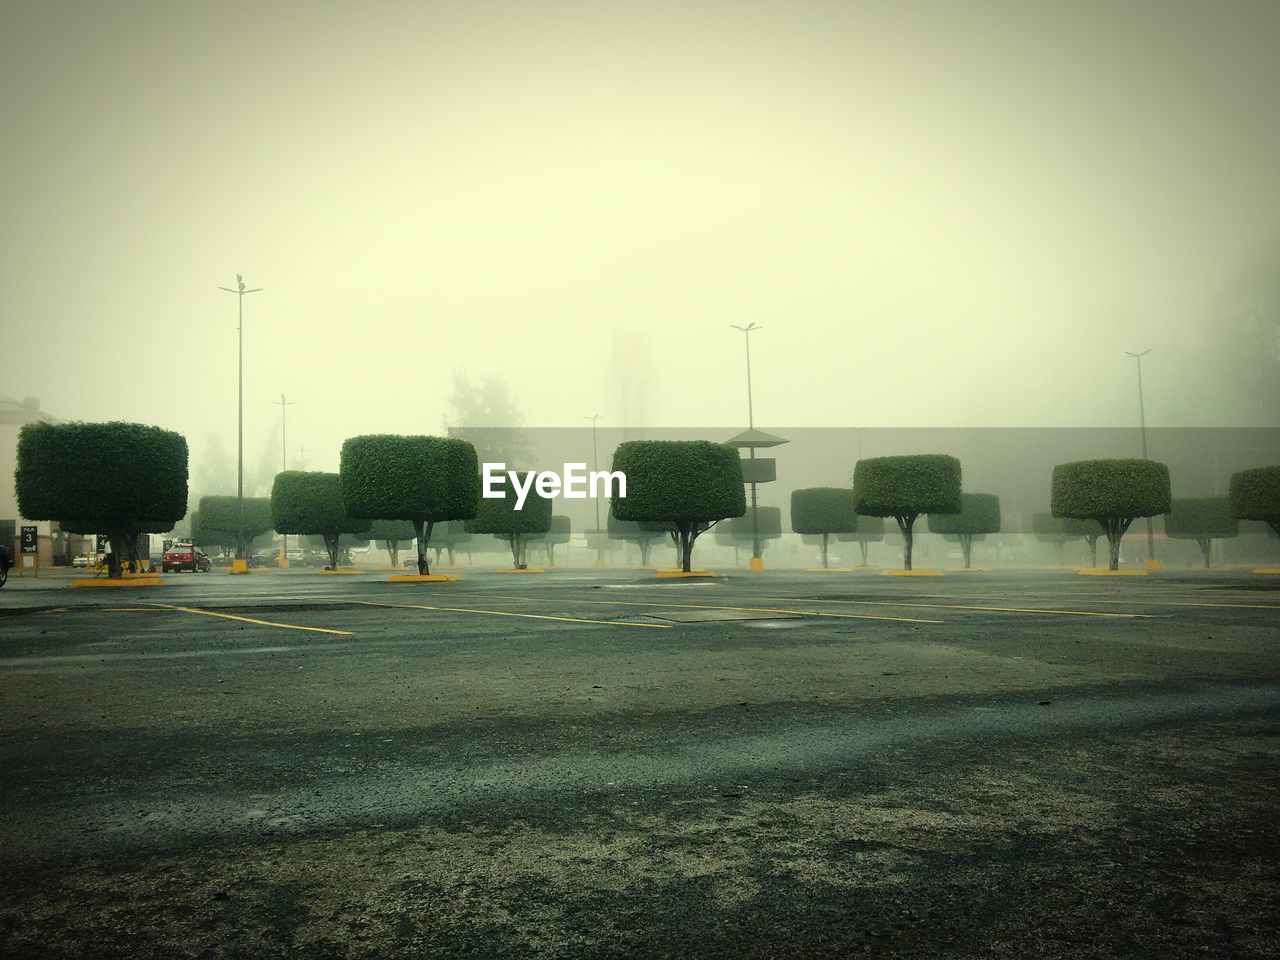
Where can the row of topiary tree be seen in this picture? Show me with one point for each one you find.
(127, 479)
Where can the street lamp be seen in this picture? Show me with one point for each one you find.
(1142, 420)
(757, 562)
(282, 403)
(595, 465)
(241, 564)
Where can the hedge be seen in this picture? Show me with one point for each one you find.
(500, 517)
(903, 487)
(121, 479)
(1255, 495)
(1202, 519)
(311, 503)
(823, 510)
(1112, 492)
(689, 483)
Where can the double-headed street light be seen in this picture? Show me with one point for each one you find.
(241, 564)
(1142, 420)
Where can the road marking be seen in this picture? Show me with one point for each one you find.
(509, 613)
(1085, 598)
(261, 623)
(968, 606)
(720, 606)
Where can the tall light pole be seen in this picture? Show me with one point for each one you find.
(241, 565)
(756, 560)
(282, 403)
(1142, 420)
(595, 465)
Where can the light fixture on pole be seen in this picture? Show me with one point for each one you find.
(282, 403)
(754, 472)
(1142, 420)
(595, 465)
(241, 562)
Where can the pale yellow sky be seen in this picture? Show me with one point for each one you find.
(940, 213)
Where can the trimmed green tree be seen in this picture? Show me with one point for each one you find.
(870, 530)
(1112, 492)
(1060, 531)
(822, 511)
(219, 516)
(421, 479)
(121, 479)
(557, 534)
(979, 515)
(904, 487)
(1255, 495)
(391, 533)
(449, 535)
(644, 536)
(691, 484)
(499, 516)
(310, 502)
(1202, 519)
(737, 532)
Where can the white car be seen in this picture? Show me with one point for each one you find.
(80, 561)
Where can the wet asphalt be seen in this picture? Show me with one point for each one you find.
(593, 763)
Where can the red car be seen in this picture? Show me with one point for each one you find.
(185, 555)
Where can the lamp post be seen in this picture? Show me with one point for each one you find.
(757, 562)
(282, 403)
(1142, 420)
(241, 564)
(595, 465)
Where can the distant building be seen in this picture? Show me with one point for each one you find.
(14, 414)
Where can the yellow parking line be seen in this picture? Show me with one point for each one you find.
(261, 623)
(968, 606)
(718, 606)
(1085, 598)
(508, 613)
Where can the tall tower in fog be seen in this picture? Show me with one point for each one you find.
(630, 398)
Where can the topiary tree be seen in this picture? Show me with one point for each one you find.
(558, 533)
(421, 479)
(904, 487)
(219, 517)
(1112, 492)
(822, 511)
(1202, 519)
(1255, 495)
(449, 535)
(691, 484)
(311, 503)
(391, 533)
(870, 530)
(738, 531)
(979, 515)
(500, 517)
(121, 479)
(1060, 531)
(642, 535)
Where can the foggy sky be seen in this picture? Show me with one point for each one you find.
(941, 214)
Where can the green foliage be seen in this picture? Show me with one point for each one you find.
(450, 534)
(126, 478)
(1106, 490)
(633, 531)
(823, 510)
(499, 515)
(393, 530)
(979, 514)
(1255, 495)
(417, 478)
(870, 530)
(218, 518)
(906, 486)
(558, 532)
(311, 502)
(1050, 529)
(679, 480)
(769, 527)
(1200, 517)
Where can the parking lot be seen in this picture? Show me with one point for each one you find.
(595, 763)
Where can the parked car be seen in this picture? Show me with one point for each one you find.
(6, 560)
(185, 555)
(80, 561)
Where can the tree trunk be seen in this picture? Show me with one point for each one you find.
(862, 544)
(423, 529)
(331, 545)
(824, 550)
(645, 547)
(686, 545)
(449, 547)
(905, 523)
(1093, 550)
(1206, 545)
(966, 547)
(117, 539)
(393, 551)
